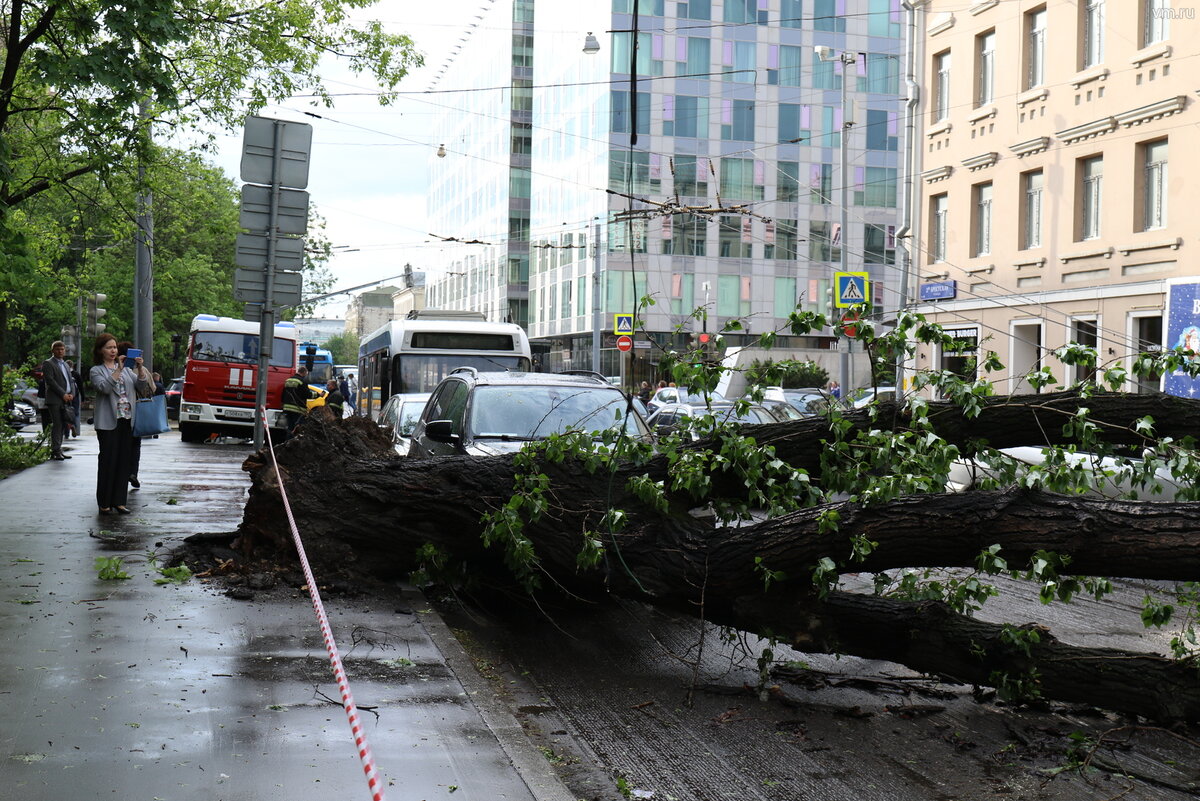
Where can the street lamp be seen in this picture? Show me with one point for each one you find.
(848, 60)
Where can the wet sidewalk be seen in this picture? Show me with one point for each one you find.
(133, 690)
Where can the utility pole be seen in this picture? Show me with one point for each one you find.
(596, 298)
(143, 281)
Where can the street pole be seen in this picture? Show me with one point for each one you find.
(266, 327)
(596, 299)
(847, 60)
(143, 284)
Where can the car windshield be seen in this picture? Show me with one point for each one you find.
(755, 414)
(410, 413)
(535, 412)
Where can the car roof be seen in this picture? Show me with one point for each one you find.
(514, 378)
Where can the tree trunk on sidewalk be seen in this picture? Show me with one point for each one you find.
(357, 502)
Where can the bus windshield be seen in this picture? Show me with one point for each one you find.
(422, 372)
(224, 346)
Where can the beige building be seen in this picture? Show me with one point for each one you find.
(1056, 148)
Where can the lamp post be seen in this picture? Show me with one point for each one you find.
(847, 60)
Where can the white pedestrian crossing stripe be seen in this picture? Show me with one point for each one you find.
(851, 289)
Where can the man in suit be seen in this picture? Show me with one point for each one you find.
(60, 392)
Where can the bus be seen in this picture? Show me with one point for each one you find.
(221, 377)
(411, 356)
(320, 367)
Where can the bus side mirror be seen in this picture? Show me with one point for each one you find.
(441, 431)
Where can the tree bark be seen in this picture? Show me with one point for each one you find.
(357, 502)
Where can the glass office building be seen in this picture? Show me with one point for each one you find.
(704, 164)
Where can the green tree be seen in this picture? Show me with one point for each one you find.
(344, 348)
(84, 81)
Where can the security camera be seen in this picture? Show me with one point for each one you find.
(824, 52)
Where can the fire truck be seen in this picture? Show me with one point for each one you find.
(221, 377)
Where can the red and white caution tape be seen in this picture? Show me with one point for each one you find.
(335, 660)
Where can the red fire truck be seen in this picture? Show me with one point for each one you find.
(221, 377)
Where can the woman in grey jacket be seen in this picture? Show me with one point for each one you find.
(116, 388)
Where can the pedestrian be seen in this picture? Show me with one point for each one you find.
(295, 398)
(115, 408)
(344, 388)
(335, 400)
(644, 394)
(77, 401)
(835, 389)
(60, 392)
(135, 460)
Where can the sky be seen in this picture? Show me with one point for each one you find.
(369, 163)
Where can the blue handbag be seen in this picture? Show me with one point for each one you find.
(151, 417)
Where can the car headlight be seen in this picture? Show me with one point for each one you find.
(189, 408)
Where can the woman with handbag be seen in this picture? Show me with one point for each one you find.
(116, 388)
(135, 460)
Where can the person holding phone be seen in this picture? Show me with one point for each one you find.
(117, 386)
(132, 355)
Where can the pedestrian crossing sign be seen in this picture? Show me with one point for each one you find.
(623, 325)
(851, 289)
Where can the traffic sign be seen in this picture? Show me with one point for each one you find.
(851, 289)
(258, 152)
(848, 320)
(250, 286)
(251, 251)
(624, 344)
(623, 324)
(291, 216)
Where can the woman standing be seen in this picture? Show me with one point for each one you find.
(115, 406)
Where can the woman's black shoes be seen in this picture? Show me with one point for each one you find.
(123, 510)
(133, 482)
(104, 510)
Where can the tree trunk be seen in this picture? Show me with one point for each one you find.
(356, 500)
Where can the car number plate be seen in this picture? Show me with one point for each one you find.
(240, 414)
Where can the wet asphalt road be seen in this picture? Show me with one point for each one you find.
(131, 690)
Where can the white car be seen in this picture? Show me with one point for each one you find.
(399, 416)
(1109, 478)
(864, 396)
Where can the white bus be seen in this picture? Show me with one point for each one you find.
(411, 356)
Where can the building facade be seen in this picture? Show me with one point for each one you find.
(700, 169)
(369, 310)
(1054, 148)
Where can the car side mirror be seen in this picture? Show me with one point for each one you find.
(441, 431)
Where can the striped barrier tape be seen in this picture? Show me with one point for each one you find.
(335, 660)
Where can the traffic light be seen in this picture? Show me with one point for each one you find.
(94, 313)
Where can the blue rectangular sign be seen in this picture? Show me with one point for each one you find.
(1183, 331)
(939, 290)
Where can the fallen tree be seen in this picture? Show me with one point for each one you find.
(778, 576)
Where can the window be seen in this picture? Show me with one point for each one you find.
(875, 186)
(884, 18)
(1035, 48)
(785, 296)
(737, 120)
(696, 9)
(1092, 22)
(626, 236)
(941, 83)
(1149, 340)
(789, 13)
(1091, 175)
(820, 184)
(882, 72)
(623, 289)
(740, 61)
(881, 130)
(1154, 187)
(621, 116)
(826, 16)
(790, 59)
(983, 219)
(787, 181)
(821, 242)
(985, 68)
(733, 237)
(685, 116)
(879, 244)
(1031, 212)
(741, 179)
(939, 219)
(581, 296)
(733, 295)
(1157, 20)
(688, 233)
(741, 11)
(958, 356)
(647, 64)
(794, 120)
(691, 176)
(825, 74)
(633, 172)
(698, 56)
(681, 293)
(783, 242)
(1085, 333)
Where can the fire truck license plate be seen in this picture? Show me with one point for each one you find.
(241, 414)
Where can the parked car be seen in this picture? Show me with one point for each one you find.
(20, 414)
(399, 417)
(483, 414)
(809, 401)
(1108, 479)
(864, 396)
(667, 418)
(679, 395)
(174, 396)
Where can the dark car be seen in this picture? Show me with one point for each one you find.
(483, 414)
(174, 396)
(399, 417)
(667, 418)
